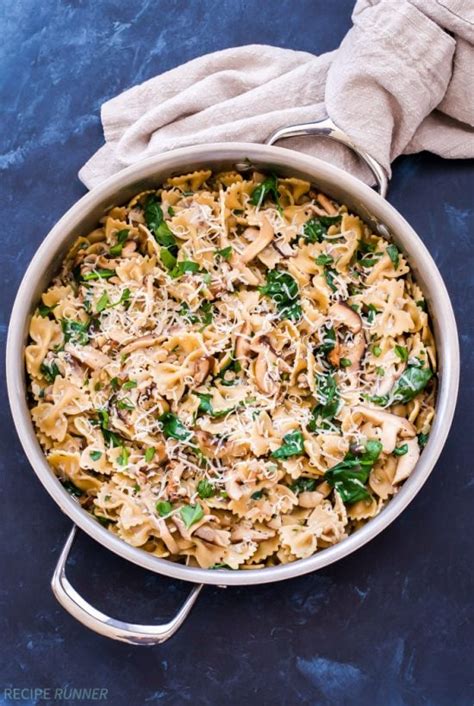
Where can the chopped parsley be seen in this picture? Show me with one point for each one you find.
(163, 508)
(205, 489)
(149, 454)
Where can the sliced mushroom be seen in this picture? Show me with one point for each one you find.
(242, 342)
(201, 370)
(353, 351)
(89, 356)
(264, 361)
(215, 536)
(262, 238)
(327, 204)
(391, 426)
(344, 315)
(408, 461)
(142, 342)
(309, 499)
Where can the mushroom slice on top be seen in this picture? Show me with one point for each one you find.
(408, 461)
(89, 356)
(262, 238)
(391, 425)
(344, 315)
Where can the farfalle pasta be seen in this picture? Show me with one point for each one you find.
(232, 370)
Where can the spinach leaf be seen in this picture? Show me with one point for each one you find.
(327, 408)
(413, 380)
(225, 253)
(205, 489)
(205, 406)
(101, 273)
(329, 340)
(173, 428)
(401, 450)
(49, 372)
(190, 514)
(122, 235)
(163, 235)
(402, 353)
(149, 454)
(350, 475)
(316, 228)
(156, 223)
(110, 437)
(293, 445)
(268, 188)
(122, 459)
(303, 485)
(168, 258)
(182, 267)
(44, 311)
(324, 259)
(283, 289)
(75, 331)
(394, 255)
(72, 489)
(423, 439)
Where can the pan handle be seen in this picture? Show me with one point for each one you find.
(326, 128)
(93, 619)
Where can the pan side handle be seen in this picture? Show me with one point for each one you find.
(85, 613)
(326, 128)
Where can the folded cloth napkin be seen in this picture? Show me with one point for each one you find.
(401, 82)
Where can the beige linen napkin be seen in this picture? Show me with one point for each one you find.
(401, 82)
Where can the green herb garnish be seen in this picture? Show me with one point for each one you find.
(122, 235)
(205, 489)
(303, 485)
(101, 273)
(324, 259)
(394, 255)
(316, 228)
(293, 445)
(190, 514)
(268, 188)
(225, 253)
(173, 428)
(402, 353)
(45, 311)
(75, 331)
(283, 289)
(163, 507)
(401, 450)
(149, 453)
(95, 455)
(350, 475)
(49, 371)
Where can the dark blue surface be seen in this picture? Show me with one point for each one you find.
(388, 626)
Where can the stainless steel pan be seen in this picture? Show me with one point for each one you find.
(83, 216)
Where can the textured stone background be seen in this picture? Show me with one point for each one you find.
(387, 626)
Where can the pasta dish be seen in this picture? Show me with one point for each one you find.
(232, 371)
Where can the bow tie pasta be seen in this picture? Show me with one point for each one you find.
(232, 371)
